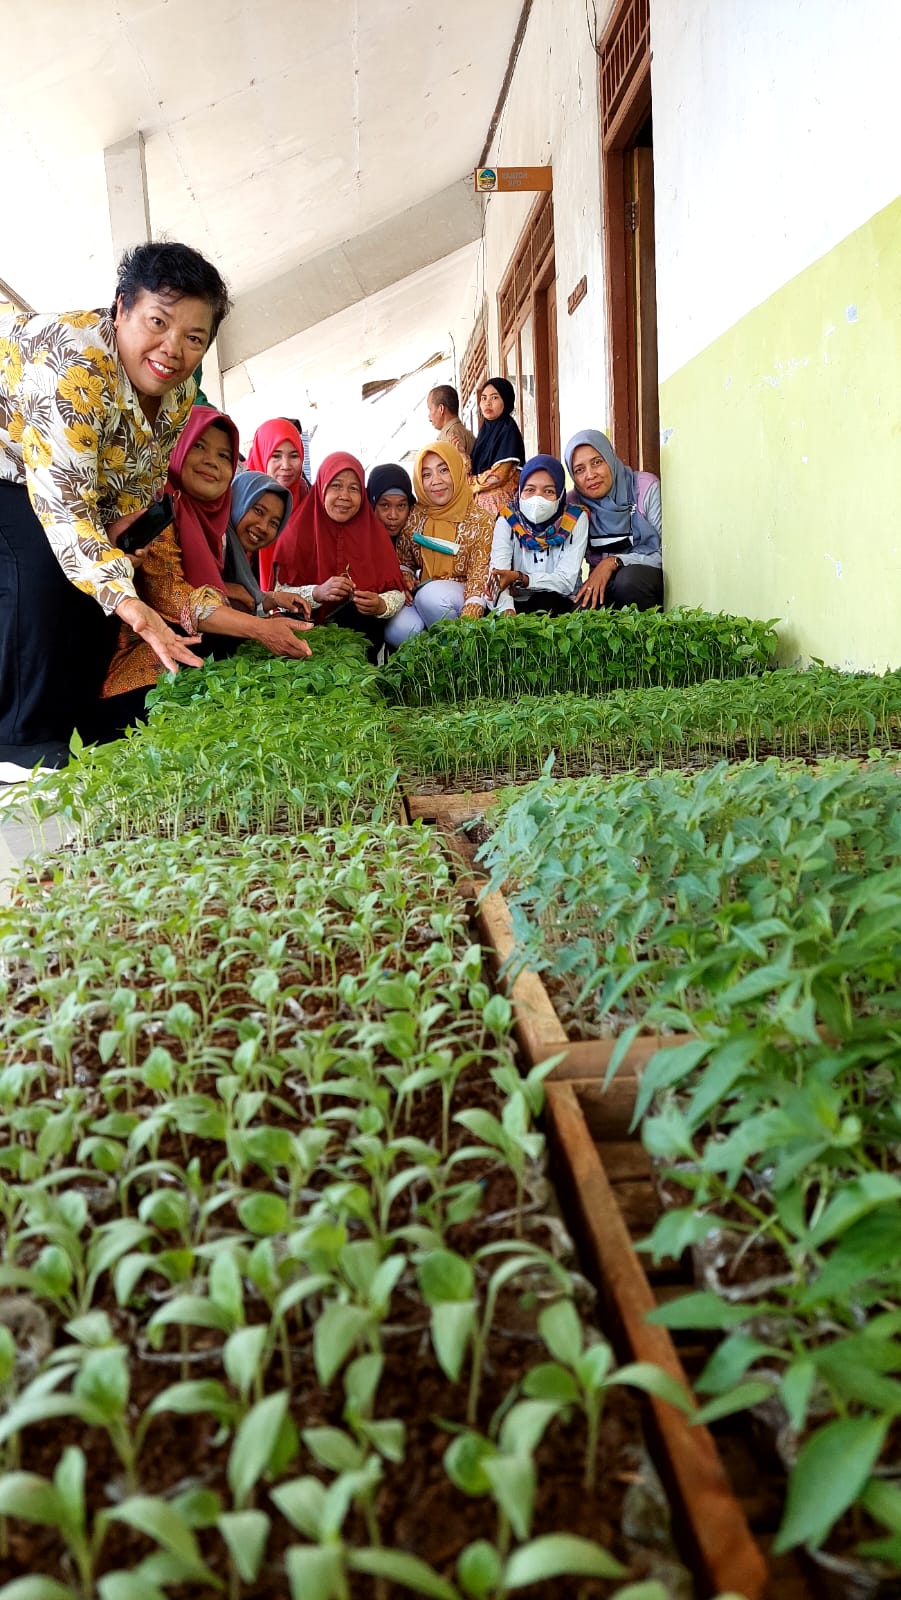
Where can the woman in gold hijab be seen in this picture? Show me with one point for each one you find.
(445, 548)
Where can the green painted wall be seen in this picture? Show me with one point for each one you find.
(781, 464)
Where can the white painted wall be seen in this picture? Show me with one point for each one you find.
(551, 115)
(775, 136)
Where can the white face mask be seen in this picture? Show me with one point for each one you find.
(537, 509)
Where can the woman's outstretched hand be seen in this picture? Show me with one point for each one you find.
(281, 636)
(172, 649)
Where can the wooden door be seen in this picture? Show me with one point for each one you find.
(643, 306)
(553, 379)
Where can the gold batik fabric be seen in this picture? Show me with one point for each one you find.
(161, 582)
(473, 559)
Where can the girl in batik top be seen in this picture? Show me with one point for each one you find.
(445, 547)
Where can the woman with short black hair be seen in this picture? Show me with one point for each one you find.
(91, 406)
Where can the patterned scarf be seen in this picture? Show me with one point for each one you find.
(542, 536)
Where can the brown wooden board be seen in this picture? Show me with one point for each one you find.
(708, 1516)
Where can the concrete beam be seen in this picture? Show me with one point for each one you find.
(126, 188)
(351, 272)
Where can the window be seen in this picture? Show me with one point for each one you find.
(528, 331)
(473, 373)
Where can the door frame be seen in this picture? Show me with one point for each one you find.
(523, 293)
(624, 89)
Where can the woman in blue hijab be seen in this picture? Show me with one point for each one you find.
(624, 550)
(259, 507)
(539, 543)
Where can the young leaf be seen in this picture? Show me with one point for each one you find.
(512, 1480)
(479, 1569)
(245, 1533)
(561, 1330)
(407, 1570)
(30, 1497)
(264, 1214)
(303, 1502)
(128, 1586)
(37, 1587)
(827, 1478)
(253, 1445)
(549, 1381)
(338, 1329)
(160, 1521)
(333, 1449)
(242, 1356)
(653, 1380)
(741, 1398)
(314, 1572)
(558, 1555)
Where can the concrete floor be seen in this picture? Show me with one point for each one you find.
(18, 840)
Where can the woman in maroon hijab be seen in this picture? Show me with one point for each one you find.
(182, 574)
(338, 556)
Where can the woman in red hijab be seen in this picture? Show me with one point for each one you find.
(182, 573)
(277, 450)
(338, 556)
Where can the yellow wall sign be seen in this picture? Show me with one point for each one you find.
(512, 180)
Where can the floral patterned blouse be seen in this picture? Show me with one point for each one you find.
(72, 430)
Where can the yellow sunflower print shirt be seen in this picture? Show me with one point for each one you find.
(72, 430)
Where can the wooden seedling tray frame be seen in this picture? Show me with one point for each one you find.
(708, 1518)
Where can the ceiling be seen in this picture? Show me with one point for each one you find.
(275, 132)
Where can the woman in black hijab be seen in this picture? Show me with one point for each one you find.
(498, 453)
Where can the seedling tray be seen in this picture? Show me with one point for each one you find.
(540, 1032)
(580, 1111)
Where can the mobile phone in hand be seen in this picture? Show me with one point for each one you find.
(147, 527)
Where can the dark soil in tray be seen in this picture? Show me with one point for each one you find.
(579, 766)
(419, 1508)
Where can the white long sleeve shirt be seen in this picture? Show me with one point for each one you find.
(558, 570)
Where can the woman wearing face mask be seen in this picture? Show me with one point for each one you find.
(539, 543)
(390, 494)
(259, 510)
(338, 555)
(499, 451)
(277, 450)
(444, 549)
(624, 551)
(183, 574)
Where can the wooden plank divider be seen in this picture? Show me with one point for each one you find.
(579, 1110)
(707, 1512)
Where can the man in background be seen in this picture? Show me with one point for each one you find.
(444, 415)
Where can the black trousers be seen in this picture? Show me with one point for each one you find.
(635, 585)
(555, 605)
(55, 642)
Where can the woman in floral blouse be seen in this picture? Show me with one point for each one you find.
(91, 405)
